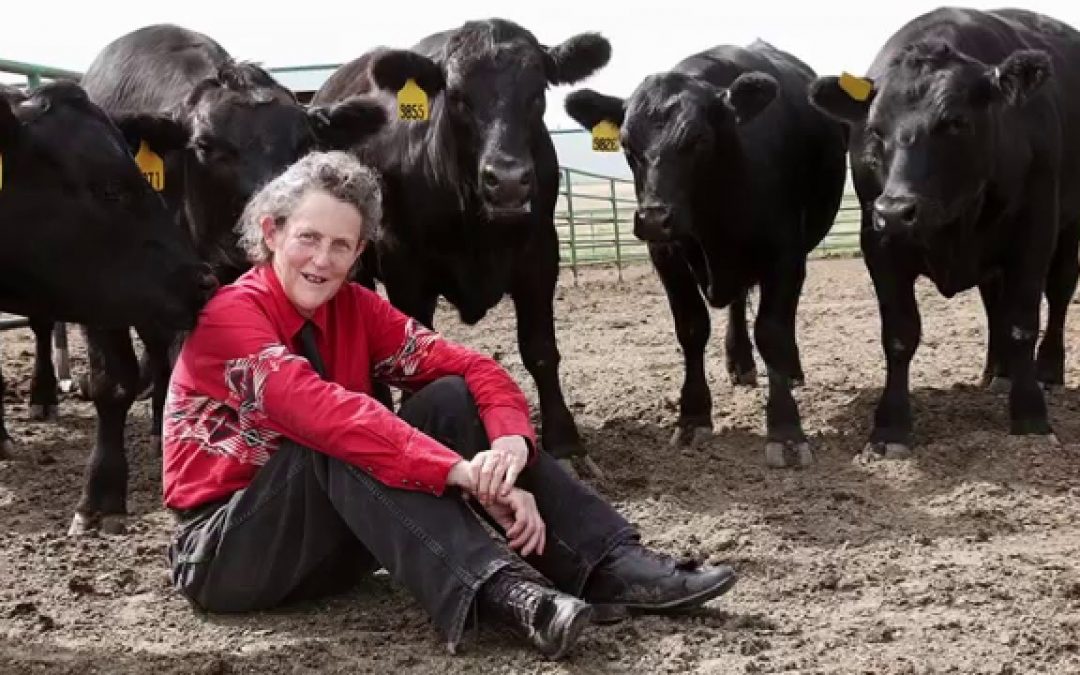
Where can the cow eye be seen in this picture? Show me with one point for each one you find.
(458, 100)
(952, 125)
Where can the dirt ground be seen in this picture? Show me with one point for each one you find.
(962, 559)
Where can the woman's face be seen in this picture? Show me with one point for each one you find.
(314, 250)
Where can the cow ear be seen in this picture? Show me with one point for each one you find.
(588, 108)
(1020, 75)
(577, 58)
(346, 124)
(749, 94)
(162, 133)
(828, 95)
(390, 70)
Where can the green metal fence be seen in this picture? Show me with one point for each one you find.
(594, 219)
(34, 73)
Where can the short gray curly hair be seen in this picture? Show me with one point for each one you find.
(336, 173)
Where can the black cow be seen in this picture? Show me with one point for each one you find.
(470, 194)
(737, 179)
(965, 154)
(82, 235)
(236, 129)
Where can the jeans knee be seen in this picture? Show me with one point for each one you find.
(450, 395)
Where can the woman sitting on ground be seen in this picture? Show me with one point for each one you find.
(288, 480)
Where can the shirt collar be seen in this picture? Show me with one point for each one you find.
(291, 319)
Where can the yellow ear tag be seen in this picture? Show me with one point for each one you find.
(856, 87)
(605, 137)
(412, 102)
(152, 166)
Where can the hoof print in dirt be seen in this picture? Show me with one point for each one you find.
(43, 457)
(875, 452)
(690, 437)
(788, 454)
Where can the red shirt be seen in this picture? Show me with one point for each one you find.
(240, 386)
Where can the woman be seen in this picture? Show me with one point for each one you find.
(289, 480)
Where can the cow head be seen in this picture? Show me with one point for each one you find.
(679, 136)
(85, 238)
(926, 135)
(242, 130)
(245, 128)
(495, 75)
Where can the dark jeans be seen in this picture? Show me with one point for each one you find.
(309, 524)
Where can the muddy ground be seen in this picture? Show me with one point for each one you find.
(962, 559)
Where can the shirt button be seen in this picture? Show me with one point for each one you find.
(404, 481)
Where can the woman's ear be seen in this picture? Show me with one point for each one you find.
(270, 232)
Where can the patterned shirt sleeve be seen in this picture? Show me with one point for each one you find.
(409, 355)
(268, 391)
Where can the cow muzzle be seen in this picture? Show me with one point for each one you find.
(507, 187)
(896, 214)
(654, 223)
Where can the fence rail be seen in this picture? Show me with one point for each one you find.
(594, 217)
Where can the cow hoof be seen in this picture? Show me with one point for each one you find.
(1050, 387)
(82, 388)
(114, 523)
(788, 454)
(43, 412)
(1000, 385)
(82, 524)
(7, 448)
(66, 386)
(874, 452)
(744, 379)
(690, 437)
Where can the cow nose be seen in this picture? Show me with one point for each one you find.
(653, 223)
(895, 212)
(507, 183)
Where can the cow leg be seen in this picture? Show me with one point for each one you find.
(901, 330)
(1027, 405)
(995, 372)
(774, 330)
(737, 346)
(43, 401)
(1060, 286)
(7, 443)
(112, 383)
(533, 293)
(62, 355)
(691, 316)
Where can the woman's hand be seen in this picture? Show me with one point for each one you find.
(497, 469)
(516, 514)
(461, 475)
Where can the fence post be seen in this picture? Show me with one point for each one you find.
(615, 223)
(570, 221)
